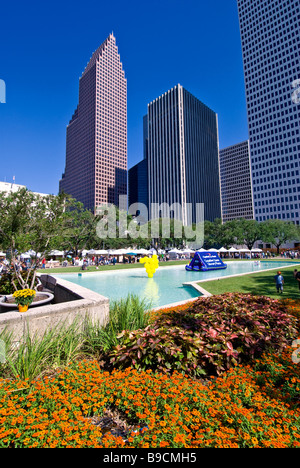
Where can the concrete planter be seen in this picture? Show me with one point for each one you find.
(71, 303)
(44, 298)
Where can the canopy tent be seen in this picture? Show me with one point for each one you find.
(117, 252)
(57, 253)
(256, 250)
(213, 250)
(233, 250)
(132, 253)
(144, 252)
(97, 252)
(223, 250)
(2, 254)
(176, 251)
(25, 255)
(188, 251)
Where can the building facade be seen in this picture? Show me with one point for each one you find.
(236, 182)
(183, 157)
(138, 189)
(96, 147)
(6, 187)
(270, 36)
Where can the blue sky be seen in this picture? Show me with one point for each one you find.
(45, 46)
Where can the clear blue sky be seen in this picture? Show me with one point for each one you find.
(45, 46)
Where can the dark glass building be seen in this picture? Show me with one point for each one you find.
(183, 157)
(138, 185)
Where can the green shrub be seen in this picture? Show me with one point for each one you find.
(6, 286)
(211, 336)
(125, 314)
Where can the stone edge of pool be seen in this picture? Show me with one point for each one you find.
(195, 284)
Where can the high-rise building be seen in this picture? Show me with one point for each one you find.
(236, 183)
(270, 35)
(138, 186)
(96, 148)
(183, 156)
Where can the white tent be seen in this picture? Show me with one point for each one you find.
(176, 251)
(223, 250)
(256, 250)
(2, 254)
(143, 252)
(97, 252)
(188, 251)
(25, 255)
(57, 253)
(233, 250)
(213, 250)
(244, 250)
(117, 252)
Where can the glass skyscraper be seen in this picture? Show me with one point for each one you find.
(183, 156)
(96, 148)
(236, 183)
(270, 35)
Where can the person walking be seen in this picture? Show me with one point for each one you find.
(279, 282)
(297, 277)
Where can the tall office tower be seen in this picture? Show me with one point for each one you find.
(183, 156)
(270, 34)
(96, 149)
(236, 182)
(138, 188)
(138, 181)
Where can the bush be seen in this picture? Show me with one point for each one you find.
(210, 337)
(6, 286)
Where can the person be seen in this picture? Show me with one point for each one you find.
(279, 282)
(297, 277)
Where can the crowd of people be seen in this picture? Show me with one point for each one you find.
(6, 266)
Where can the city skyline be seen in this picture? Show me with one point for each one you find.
(41, 99)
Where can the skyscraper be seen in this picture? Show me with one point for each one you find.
(236, 183)
(96, 148)
(183, 156)
(270, 35)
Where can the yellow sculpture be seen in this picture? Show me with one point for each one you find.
(151, 265)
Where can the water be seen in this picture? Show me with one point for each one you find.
(167, 285)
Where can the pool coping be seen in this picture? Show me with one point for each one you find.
(195, 284)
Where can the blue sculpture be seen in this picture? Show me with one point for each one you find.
(206, 261)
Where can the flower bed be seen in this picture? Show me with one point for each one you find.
(252, 404)
(209, 336)
(237, 410)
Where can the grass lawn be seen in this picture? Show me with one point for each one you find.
(261, 284)
(118, 266)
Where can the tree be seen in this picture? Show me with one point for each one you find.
(31, 222)
(219, 235)
(247, 232)
(278, 232)
(80, 228)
